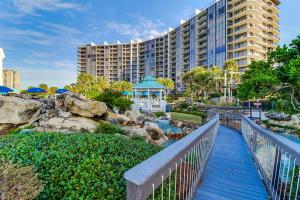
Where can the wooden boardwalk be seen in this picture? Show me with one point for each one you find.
(231, 172)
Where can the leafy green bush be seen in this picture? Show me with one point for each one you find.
(77, 166)
(159, 114)
(107, 128)
(18, 182)
(122, 103)
(283, 105)
(114, 99)
(214, 95)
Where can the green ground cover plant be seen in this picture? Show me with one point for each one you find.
(77, 166)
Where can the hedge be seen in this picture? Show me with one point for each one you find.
(77, 166)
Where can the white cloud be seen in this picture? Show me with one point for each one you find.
(143, 28)
(31, 6)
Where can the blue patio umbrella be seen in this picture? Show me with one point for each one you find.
(36, 90)
(5, 90)
(61, 91)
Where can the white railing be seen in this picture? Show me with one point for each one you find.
(277, 158)
(175, 172)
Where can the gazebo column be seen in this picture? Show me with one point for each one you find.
(160, 95)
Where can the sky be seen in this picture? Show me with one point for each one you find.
(40, 37)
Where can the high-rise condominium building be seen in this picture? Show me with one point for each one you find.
(2, 56)
(11, 78)
(244, 30)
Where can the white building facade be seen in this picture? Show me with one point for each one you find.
(2, 56)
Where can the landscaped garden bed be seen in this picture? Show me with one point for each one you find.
(78, 165)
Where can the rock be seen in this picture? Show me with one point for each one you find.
(154, 131)
(73, 124)
(4, 128)
(85, 107)
(48, 103)
(117, 118)
(278, 116)
(135, 116)
(161, 141)
(63, 114)
(179, 124)
(135, 131)
(294, 122)
(16, 111)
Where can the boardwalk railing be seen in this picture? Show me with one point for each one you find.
(277, 158)
(175, 172)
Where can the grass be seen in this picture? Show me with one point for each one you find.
(184, 117)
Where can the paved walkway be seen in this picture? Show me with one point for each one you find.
(231, 172)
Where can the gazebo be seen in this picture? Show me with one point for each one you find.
(149, 95)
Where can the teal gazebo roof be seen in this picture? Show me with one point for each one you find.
(149, 83)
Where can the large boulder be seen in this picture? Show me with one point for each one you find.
(154, 131)
(17, 111)
(117, 118)
(294, 122)
(135, 131)
(72, 124)
(278, 116)
(85, 107)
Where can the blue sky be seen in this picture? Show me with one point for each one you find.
(39, 37)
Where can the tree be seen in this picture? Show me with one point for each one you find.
(90, 86)
(279, 77)
(122, 86)
(44, 86)
(232, 69)
(188, 79)
(167, 82)
(286, 61)
(200, 82)
(258, 82)
(52, 90)
(218, 76)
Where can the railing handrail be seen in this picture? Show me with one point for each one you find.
(284, 143)
(144, 172)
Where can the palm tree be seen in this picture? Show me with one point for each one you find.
(232, 68)
(167, 82)
(218, 75)
(122, 86)
(188, 79)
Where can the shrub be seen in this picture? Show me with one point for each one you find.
(77, 166)
(122, 103)
(114, 99)
(283, 105)
(107, 128)
(159, 114)
(18, 182)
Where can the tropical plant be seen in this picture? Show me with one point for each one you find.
(78, 165)
(277, 78)
(90, 86)
(107, 128)
(167, 82)
(232, 69)
(201, 81)
(114, 99)
(122, 86)
(44, 86)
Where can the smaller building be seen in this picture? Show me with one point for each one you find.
(149, 96)
(11, 78)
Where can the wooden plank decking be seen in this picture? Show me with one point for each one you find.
(231, 172)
